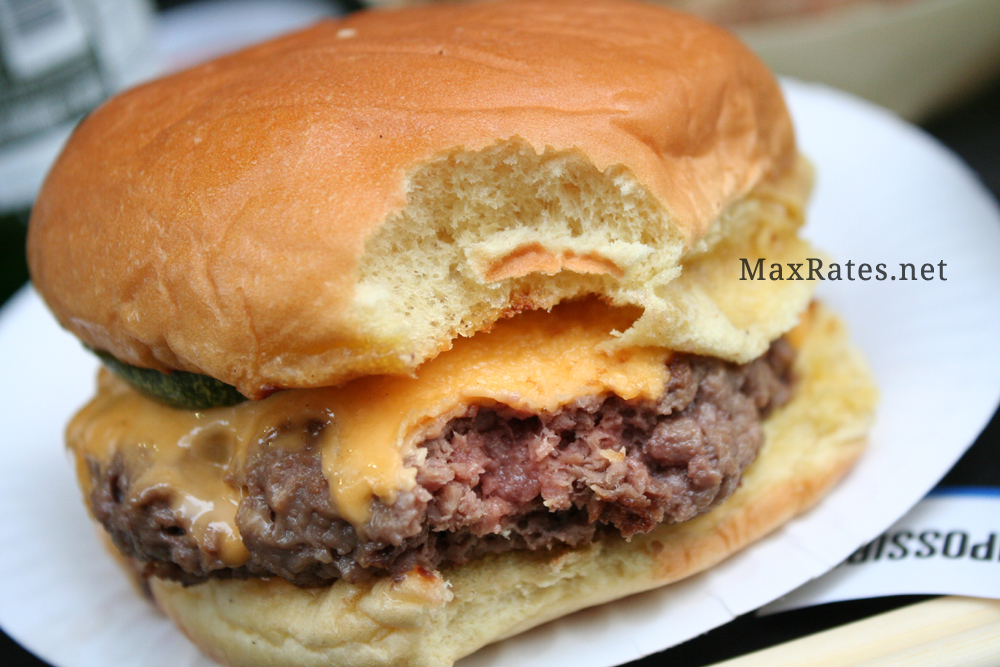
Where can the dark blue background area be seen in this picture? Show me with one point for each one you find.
(971, 130)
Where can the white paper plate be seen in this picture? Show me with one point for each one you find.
(886, 193)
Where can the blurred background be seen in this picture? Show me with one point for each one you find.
(934, 62)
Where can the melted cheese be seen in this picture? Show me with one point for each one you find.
(535, 362)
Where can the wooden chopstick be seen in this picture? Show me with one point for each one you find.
(944, 632)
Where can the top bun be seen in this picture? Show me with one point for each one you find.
(348, 199)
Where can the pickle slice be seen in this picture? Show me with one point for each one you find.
(180, 389)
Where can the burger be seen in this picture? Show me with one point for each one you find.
(422, 328)
(725, 12)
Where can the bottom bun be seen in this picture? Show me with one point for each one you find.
(434, 618)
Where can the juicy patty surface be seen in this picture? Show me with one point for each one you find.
(495, 479)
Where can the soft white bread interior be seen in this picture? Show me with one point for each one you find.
(431, 619)
(349, 199)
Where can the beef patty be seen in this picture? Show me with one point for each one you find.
(495, 479)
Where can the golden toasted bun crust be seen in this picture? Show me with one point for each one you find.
(244, 218)
(432, 619)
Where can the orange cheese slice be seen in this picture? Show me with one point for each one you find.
(535, 362)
